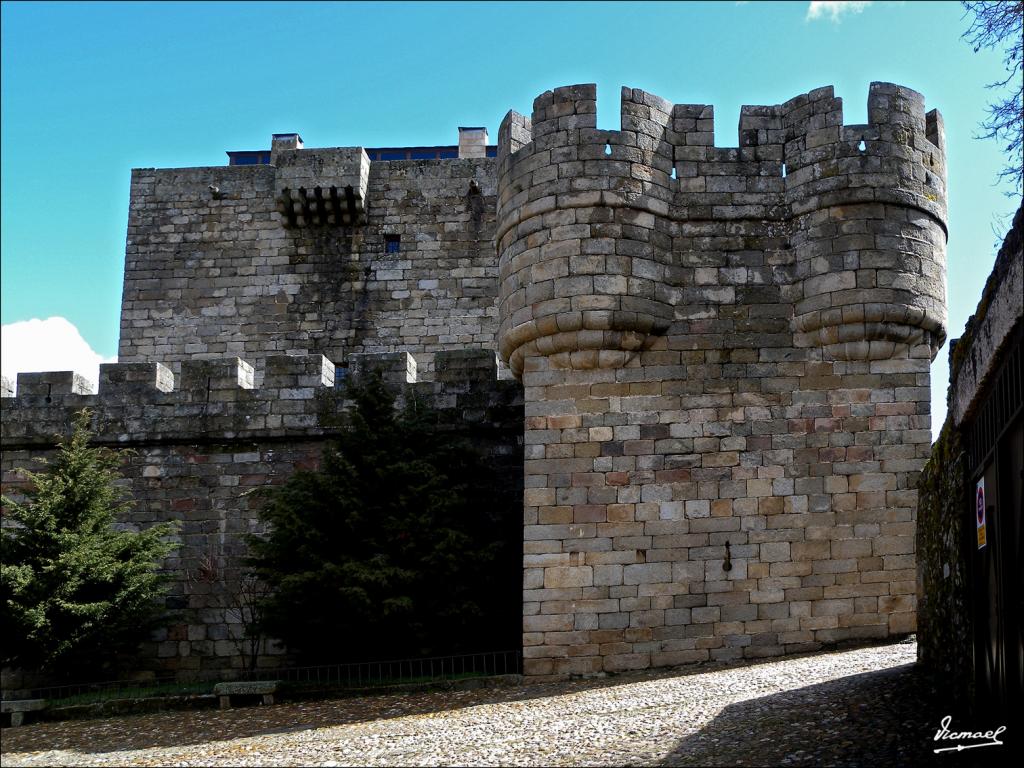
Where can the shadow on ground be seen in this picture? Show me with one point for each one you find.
(884, 718)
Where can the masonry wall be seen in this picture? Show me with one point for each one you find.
(725, 358)
(724, 354)
(213, 270)
(975, 649)
(635, 482)
(202, 449)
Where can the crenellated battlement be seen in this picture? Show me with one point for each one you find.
(323, 250)
(321, 187)
(899, 155)
(606, 194)
(216, 399)
(724, 355)
(199, 443)
(804, 131)
(588, 221)
(868, 206)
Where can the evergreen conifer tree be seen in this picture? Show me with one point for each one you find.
(76, 594)
(397, 547)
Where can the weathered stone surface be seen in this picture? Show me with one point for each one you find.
(976, 441)
(22, 705)
(214, 274)
(1000, 309)
(18, 709)
(246, 688)
(200, 451)
(723, 354)
(263, 688)
(725, 360)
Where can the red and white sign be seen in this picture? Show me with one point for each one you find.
(979, 496)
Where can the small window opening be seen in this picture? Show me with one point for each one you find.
(392, 243)
(783, 170)
(674, 172)
(608, 149)
(862, 146)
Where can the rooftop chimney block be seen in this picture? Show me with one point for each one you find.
(472, 142)
(282, 141)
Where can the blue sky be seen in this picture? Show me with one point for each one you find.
(91, 90)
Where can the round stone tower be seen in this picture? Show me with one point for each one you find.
(868, 207)
(583, 237)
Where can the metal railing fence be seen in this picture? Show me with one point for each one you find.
(355, 675)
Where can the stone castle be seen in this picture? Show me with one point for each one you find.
(713, 386)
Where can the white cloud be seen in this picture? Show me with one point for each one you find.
(834, 8)
(53, 344)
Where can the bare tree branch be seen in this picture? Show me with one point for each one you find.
(1000, 24)
(246, 597)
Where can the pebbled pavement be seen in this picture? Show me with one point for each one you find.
(869, 706)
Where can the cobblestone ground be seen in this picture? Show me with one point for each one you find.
(862, 707)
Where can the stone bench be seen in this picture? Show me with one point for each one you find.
(264, 688)
(18, 707)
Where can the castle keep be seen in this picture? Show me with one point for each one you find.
(723, 355)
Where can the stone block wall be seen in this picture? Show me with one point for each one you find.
(199, 451)
(953, 572)
(218, 263)
(725, 358)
